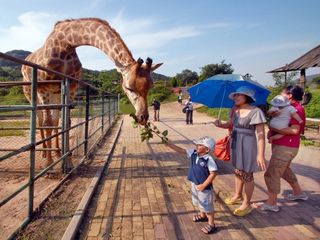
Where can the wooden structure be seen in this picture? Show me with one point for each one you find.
(307, 60)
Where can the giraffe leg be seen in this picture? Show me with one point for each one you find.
(48, 132)
(40, 124)
(58, 152)
(49, 146)
(44, 145)
(68, 164)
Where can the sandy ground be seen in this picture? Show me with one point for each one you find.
(14, 172)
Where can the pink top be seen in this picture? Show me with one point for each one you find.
(293, 140)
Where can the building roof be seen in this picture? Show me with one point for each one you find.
(307, 60)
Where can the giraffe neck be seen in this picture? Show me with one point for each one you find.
(70, 34)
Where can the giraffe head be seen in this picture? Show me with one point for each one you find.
(136, 83)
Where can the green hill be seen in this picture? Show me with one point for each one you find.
(14, 53)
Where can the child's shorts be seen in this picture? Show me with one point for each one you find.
(203, 200)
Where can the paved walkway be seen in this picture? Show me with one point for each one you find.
(145, 194)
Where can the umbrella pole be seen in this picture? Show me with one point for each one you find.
(224, 93)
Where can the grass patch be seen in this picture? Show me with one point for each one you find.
(126, 108)
(307, 142)
(215, 112)
(13, 124)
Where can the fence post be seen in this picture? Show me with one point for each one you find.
(102, 113)
(33, 125)
(118, 103)
(114, 107)
(66, 124)
(109, 108)
(86, 125)
(63, 116)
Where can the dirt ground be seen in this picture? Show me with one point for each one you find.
(53, 219)
(55, 215)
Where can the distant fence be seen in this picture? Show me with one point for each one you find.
(83, 122)
(313, 123)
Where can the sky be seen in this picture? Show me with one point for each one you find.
(255, 36)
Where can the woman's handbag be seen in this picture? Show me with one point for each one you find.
(184, 110)
(222, 149)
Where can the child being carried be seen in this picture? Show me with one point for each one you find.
(281, 104)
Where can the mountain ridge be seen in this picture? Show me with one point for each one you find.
(22, 54)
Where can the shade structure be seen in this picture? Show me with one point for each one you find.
(214, 91)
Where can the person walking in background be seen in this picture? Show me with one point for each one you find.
(189, 111)
(202, 171)
(156, 110)
(180, 98)
(246, 151)
(284, 150)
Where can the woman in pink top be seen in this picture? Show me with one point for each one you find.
(284, 151)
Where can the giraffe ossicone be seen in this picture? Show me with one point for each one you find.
(59, 53)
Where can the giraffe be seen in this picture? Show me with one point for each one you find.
(59, 53)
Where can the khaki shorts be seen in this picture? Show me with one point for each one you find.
(279, 167)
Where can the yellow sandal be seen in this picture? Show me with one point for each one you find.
(230, 201)
(242, 213)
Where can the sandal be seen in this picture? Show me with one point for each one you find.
(198, 218)
(208, 229)
(241, 213)
(230, 201)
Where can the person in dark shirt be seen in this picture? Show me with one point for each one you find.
(156, 108)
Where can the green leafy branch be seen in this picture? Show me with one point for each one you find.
(149, 130)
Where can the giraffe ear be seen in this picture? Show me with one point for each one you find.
(155, 66)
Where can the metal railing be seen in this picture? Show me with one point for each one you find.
(87, 119)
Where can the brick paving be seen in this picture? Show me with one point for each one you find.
(145, 194)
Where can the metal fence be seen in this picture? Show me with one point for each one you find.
(84, 121)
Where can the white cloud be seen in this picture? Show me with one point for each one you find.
(127, 27)
(29, 34)
(144, 33)
(271, 48)
(143, 36)
(150, 40)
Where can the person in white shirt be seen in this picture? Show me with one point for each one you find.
(189, 111)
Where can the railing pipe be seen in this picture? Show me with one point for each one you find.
(67, 123)
(63, 116)
(86, 128)
(33, 125)
(102, 114)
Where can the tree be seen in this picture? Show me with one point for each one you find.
(214, 69)
(187, 77)
(281, 81)
(174, 82)
(316, 82)
(110, 81)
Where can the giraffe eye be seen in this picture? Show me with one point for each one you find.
(130, 89)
